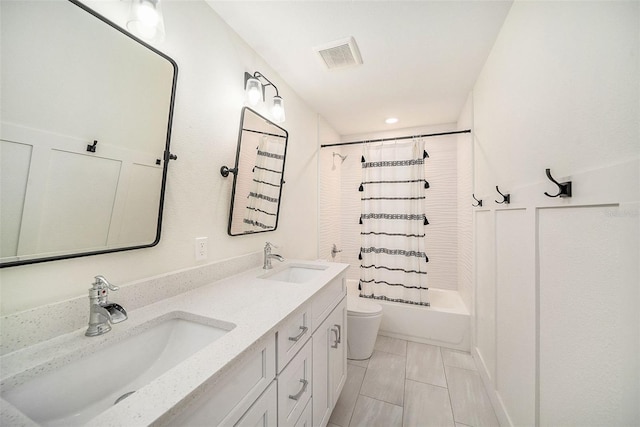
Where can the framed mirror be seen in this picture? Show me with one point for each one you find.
(84, 134)
(259, 175)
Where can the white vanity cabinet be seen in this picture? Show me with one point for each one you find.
(292, 379)
(329, 363)
(327, 351)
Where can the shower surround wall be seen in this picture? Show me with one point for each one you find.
(330, 171)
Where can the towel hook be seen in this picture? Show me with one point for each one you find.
(564, 188)
(506, 198)
(479, 201)
(224, 171)
(92, 148)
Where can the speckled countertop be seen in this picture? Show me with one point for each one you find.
(256, 306)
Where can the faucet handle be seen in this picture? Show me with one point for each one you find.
(269, 244)
(101, 282)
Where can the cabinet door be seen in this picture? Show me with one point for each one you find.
(329, 363)
(338, 352)
(321, 398)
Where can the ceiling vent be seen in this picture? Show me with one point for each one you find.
(340, 54)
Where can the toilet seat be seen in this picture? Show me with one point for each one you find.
(360, 307)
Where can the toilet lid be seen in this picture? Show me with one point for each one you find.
(359, 306)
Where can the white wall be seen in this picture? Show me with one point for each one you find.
(465, 201)
(212, 60)
(330, 170)
(557, 281)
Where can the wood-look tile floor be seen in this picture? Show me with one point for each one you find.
(410, 384)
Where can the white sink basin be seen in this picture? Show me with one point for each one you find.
(295, 273)
(79, 391)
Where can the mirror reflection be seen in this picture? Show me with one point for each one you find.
(257, 183)
(84, 138)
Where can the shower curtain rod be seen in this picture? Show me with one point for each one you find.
(263, 133)
(397, 138)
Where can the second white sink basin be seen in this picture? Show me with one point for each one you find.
(79, 391)
(295, 273)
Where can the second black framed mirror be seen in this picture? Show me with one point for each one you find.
(258, 175)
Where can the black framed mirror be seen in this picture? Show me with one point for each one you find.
(84, 140)
(258, 175)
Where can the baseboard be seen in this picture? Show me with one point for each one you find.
(489, 386)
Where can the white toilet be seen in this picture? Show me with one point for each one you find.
(363, 320)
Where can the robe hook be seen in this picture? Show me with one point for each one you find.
(224, 171)
(564, 188)
(92, 148)
(479, 201)
(506, 198)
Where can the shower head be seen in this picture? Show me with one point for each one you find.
(343, 158)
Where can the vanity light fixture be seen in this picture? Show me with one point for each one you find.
(254, 91)
(278, 109)
(391, 120)
(254, 86)
(145, 19)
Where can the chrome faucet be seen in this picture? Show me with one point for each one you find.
(268, 255)
(101, 312)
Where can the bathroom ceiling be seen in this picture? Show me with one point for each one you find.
(420, 58)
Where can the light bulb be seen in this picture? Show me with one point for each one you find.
(278, 109)
(145, 19)
(254, 91)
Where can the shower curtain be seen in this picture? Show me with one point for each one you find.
(393, 222)
(264, 196)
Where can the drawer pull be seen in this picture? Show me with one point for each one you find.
(339, 333)
(302, 390)
(337, 341)
(303, 331)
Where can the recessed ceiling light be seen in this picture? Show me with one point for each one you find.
(391, 120)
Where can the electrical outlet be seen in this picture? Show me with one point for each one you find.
(201, 248)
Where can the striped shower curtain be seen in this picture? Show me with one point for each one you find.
(393, 222)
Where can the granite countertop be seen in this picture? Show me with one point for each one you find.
(255, 305)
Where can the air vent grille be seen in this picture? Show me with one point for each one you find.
(340, 54)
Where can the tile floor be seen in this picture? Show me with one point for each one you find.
(411, 384)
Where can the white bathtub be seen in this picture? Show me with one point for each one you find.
(445, 323)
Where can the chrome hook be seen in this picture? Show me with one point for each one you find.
(564, 188)
(506, 198)
(479, 201)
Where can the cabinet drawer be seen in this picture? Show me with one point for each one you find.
(294, 387)
(292, 335)
(325, 300)
(264, 411)
(305, 419)
(224, 401)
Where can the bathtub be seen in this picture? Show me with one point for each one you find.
(445, 323)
